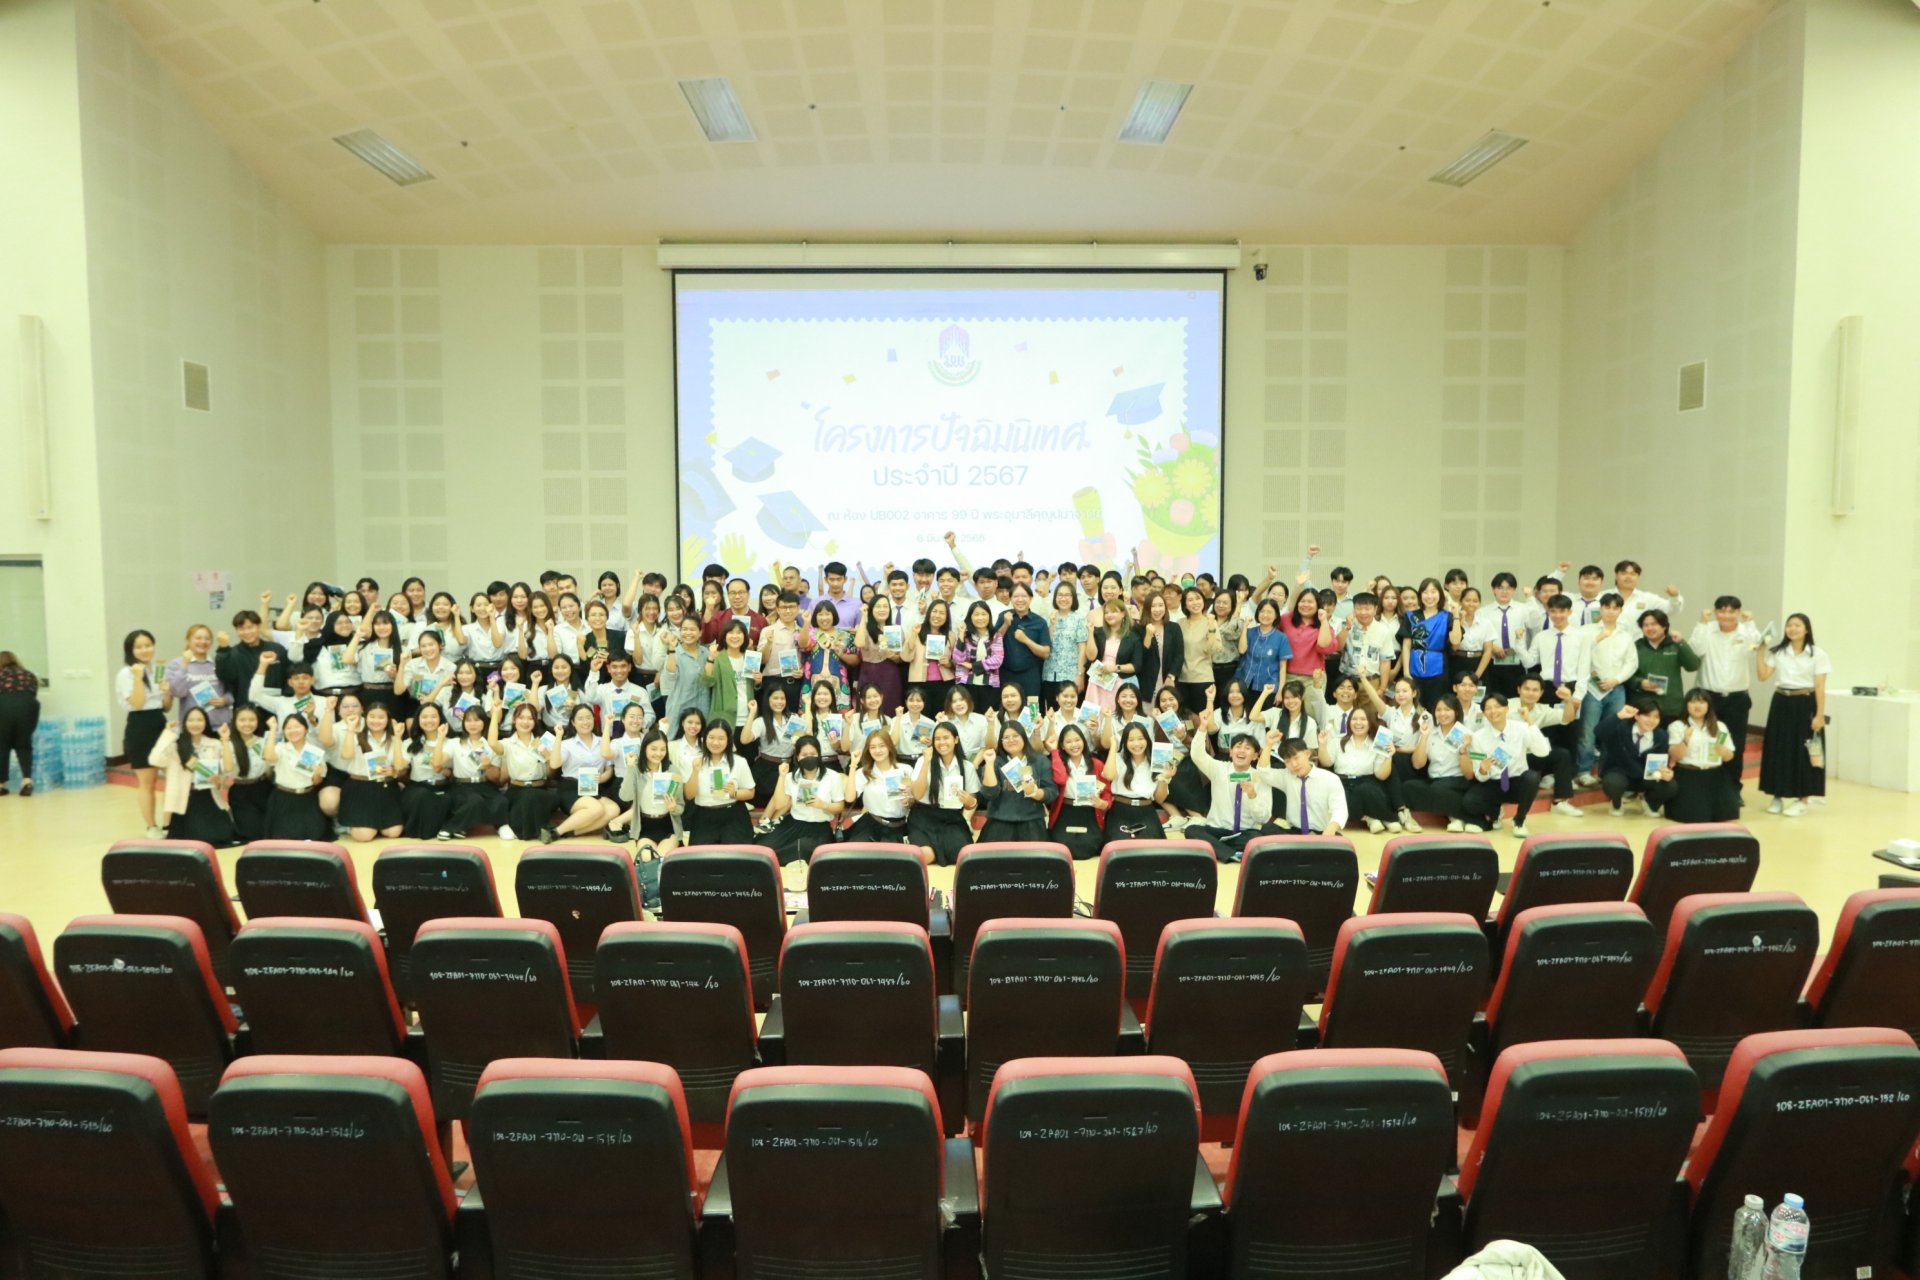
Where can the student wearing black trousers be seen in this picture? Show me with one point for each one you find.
(1625, 741)
(19, 717)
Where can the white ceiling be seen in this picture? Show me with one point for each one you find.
(1312, 120)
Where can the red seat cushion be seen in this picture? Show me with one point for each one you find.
(56, 998)
(654, 1073)
(397, 1070)
(842, 1077)
(191, 932)
(157, 1074)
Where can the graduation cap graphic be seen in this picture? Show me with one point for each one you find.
(705, 500)
(752, 460)
(787, 520)
(1142, 404)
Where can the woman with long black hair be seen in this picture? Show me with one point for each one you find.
(1793, 764)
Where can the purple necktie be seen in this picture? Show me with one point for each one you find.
(1504, 642)
(1238, 796)
(1558, 640)
(1306, 828)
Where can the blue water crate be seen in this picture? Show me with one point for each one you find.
(83, 751)
(49, 764)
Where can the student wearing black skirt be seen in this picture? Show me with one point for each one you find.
(1017, 783)
(945, 792)
(654, 794)
(721, 788)
(584, 769)
(1793, 753)
(881, 784)
(195, 802)
(370, 799)
(146, 702)
(807, 797)
(1137, 788)
(428, 797)
(475, 799)
(299, 765)
(1080, 811)
(243, 757)
(1698, 745)
(530, 802)
(1437, 785)
(1363, 769)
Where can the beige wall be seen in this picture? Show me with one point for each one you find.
(1857, 255)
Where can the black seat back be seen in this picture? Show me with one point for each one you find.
(415, 883)
(1450, 873)
(1701, 857)
(173, 878)
(1870, 976)
(1145, 885)
(1575, 971)
(731, 884)
(579, 890)
(993, 881)
(1406, 981)
(1309, 880)
(309, 878)
(1563, 866)
(1041, 988)
(858, 994)
(867, 882)
(33, 1011)
(316, 986)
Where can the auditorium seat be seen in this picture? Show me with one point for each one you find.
(1338, 1158)
(579, 889)
(677, 992)
(1734, 964)
(1682, 860)
(1574, 971)
(1091, 1168)
(835, 1171)
(1579, 1153)
(298, 878)
(1031, 881)
(736, 884)
(316, 986)
(1827, 1113)
(1309, 880)
(415, 883)
(1041, 989)
(1145, 885)
(1565, 866)
(868, 881)
(1870, 976)
(487, 989)
(144, 984)
(586, 1169)
(1410, 980)
(98, 1172)
(1428, 873)
(333, 1167)
(173, 878)
(862, 994)
(1225, 994)
(33, 1011)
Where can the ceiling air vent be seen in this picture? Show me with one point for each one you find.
(1693, 386)
(195, 391)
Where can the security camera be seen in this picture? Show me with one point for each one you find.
(1259, 271)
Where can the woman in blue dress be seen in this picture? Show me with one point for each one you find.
(1427, 658)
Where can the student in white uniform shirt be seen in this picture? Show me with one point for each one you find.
(610, 688)
(299, 765)
(429, 677)
(807, 797)
(428, 797)
(299, 701)
(1506, 627)
(487, 641)
(1438, 786)
(376, 655)
(1726, 641)
(881, 783)
(443, 616)
(1242, 786)
(1369, 644)
(1612, 660)
(1562, 651)
(1363, 763)
(1555, 722)
(1314, 803)
(1536, 608)
(474, 798)
(1634, 602)
(945, 793)
(1405, 720)
(530, 801)
(1496, 759)
(583, 771)
(720, 789)
(655, 793)
(1793, 753)
(1698, 745)
(1137, 789)
(249, 787)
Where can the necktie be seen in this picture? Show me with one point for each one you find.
(1505, 643)
(1559, 638)
(1306, 827)
(1238, 796)
(1505, 769)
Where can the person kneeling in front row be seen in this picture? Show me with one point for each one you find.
(1242, 804)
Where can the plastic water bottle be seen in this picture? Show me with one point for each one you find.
(1749, 1237)
(1786, 1240)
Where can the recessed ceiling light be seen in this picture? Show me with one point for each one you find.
(719, 112)
(1479, 158)
(390, 160)
(1154, 111)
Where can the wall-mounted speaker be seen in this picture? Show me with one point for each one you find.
(1846, 412)
(33, 417)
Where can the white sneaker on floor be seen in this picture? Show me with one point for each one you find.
(506, 833)
(1585, 780)
(1375, 825)
(1407, 822)
(156, 833)
(1613, 811)
(1793, 810)
(1393, 828)
(1175, 823)
(1454, 824)
(1568, 808)
(1519, 832)
(1776, 806)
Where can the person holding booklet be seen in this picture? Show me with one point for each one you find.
(193, 796)
(807, 797)
(1438, 785)
(428, 796)
(945, 793)
(1495, 758)
(1080, 808)
(1634, 760)
(1137, 787)
(1017, 784)
(1362, 758)
(584, 772)
(1314, 801)
(930, 653)
(474, 799)
(193, 680)
(654, 793)
(881, 783)
(1793, 763)
(1661, 660)
(529, 801)
(299, 766)
(883, 653)
(1698, 746)
(1242, 784)
(721, 787)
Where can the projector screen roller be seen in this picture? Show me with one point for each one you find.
(861, 417)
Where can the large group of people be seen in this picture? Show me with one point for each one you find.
(1082, 704)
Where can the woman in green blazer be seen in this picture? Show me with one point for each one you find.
(726, 674)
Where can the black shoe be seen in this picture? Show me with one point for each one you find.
(26, 789)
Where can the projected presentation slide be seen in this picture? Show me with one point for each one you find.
(861, 417)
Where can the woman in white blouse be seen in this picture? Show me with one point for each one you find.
(881, 784)
(807, 797)
(1793, 755)
(146, 700)
(1698, 744)
(721, 787)
(1363, 767)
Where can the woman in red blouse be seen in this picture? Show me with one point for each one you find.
(19, 716)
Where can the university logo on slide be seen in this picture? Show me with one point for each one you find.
(954, 368)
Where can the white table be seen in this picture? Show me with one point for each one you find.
(1874, 740)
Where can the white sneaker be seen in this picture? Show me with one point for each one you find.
(1393, 828)
(1175, 823)
(1568, 808)
(1407, 822)
(1519, 832)
(1613, 811)
(156, 833)
(1454, 824)
(1586, 780)
(1776, 806)
(1793, 810)
(506, 833)
(1375, 825)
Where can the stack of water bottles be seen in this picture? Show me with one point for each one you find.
(1768, 1248)
(48, 770)
(83, 753)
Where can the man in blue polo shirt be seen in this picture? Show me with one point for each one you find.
(1026, 643)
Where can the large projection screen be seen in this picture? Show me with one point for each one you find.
(861, 416)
